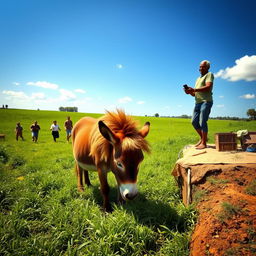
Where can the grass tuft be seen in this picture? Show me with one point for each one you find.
(215, 181)
(17, 161)
(228, 211)
(4, 156)
(251, 188)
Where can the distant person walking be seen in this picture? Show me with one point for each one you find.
(68, 126)
(55, 130)
(35, 130)
(18, 131)
(203, 102)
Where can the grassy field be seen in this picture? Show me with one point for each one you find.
(41, 212)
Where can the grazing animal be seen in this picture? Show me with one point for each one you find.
(110, 143)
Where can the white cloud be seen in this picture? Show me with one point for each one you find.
(22, 96)
(80, 90)
(66, 94)
(15, 83)
(20, 99)
(141, 102)
(44, 84)
(14, 94)
(220, 106)
(38, 95)
(244, 69)
(248, 96)
(119, 66)
(221, 96)
(125, 99)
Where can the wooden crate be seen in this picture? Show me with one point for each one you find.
(225, 141)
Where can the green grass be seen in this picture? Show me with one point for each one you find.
(228, 211)
(41, 212)
(251, 188)
(199, 195)
(215, 181)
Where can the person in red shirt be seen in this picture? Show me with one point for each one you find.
(68, 127)
(18, 131)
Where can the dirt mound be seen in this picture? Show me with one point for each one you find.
(226, 202)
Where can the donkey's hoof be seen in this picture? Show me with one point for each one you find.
(108, 208)
(80, 189)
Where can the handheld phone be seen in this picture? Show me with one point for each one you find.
(185, 86)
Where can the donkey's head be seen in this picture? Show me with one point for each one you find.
(126, 156)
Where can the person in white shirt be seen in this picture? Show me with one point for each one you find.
(55, 130)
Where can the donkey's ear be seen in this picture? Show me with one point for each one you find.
(107, 133)
(145, 129)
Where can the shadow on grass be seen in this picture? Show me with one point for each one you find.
(155, 213)
(147, 212)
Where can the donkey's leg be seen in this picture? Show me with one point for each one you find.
(86, 178)
(79, 174)
(104, 187)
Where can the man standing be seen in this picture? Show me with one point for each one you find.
(203, 97)
(68, 126)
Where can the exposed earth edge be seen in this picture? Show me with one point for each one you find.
(226, 204)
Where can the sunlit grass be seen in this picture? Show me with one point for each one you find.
(41, 212)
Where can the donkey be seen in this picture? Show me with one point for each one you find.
(110, 143)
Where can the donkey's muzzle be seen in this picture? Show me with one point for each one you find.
(128, 191)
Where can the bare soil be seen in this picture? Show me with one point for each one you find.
(227, 213)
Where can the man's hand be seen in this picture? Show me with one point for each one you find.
(190, 91)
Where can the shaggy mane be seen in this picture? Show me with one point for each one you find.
(126, 129)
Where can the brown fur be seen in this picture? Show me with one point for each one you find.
(124, 127)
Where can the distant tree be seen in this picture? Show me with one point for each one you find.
(3, 106)
(184, 116)
(6, 106)
(251, 113)
(156, 115)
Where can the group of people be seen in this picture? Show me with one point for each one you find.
(55, 128)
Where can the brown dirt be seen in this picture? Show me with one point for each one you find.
(227, 213)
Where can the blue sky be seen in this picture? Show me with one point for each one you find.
(131, 54)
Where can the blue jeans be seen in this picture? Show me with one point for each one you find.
(35, 134)
(200, 115)
(68, 132)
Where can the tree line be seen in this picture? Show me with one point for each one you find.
(68, 109)
(251, 113)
